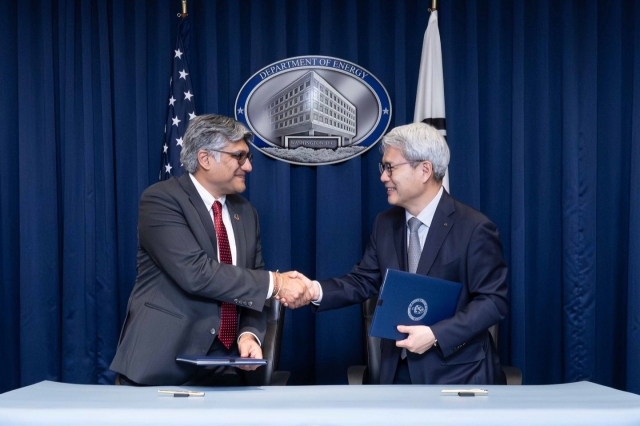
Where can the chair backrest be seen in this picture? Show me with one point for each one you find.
(271, 345)
(494, 330)
(371, 344)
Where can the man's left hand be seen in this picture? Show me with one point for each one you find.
(420, 339)
(249, 348)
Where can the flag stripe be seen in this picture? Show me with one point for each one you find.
(438, 123)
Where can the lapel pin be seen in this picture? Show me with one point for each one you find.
(236, 216)
(446, 224)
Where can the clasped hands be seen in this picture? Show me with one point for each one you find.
(295, 290)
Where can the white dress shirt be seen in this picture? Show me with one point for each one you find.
(208, 200)
(426, 217)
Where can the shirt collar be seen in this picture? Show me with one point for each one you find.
(207, 198)
(426, 215)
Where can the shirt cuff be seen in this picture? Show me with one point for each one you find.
(317, 302)
(248, 332)
(270, 285)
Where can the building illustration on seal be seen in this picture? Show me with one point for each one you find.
(310, 112)
(313, 110)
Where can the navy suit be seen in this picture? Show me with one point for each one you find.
(462, 245)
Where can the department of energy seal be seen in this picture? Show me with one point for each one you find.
(314, 110)
(418, 309)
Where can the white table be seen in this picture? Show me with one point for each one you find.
(584, 403)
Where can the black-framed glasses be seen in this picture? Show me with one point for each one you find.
(241, 156)
(389, 168)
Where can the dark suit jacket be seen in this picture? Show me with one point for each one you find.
(462, 245)
(174, 308)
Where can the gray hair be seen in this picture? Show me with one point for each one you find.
(209, 132)
(420, 142)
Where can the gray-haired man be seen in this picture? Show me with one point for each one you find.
(201, 287)
(431, 233)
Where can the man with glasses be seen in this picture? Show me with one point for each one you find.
(431, 233)
(201, 287)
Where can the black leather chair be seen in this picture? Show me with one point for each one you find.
(267, 375)
(370, 373)
(514, 375)
(367, 374)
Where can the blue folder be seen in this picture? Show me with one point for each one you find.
(411, 299)
(206, 361)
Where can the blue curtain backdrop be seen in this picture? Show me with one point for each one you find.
(543, 111)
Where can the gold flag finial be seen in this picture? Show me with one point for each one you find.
(184, 9)
(434, 5)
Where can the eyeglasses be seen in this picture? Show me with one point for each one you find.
(387, 167)
(241, 156)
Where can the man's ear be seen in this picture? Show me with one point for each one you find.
(204, 159)
(427, 169)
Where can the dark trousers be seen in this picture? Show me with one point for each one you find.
(402, 377)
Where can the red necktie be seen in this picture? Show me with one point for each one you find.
(228, 315)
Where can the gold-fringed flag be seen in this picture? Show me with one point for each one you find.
(430, 96)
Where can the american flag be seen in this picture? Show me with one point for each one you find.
(180, 107)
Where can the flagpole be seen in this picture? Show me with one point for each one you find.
(434, 5)
(184, 13)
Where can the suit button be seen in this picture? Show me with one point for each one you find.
(213, 331)
(250, 303)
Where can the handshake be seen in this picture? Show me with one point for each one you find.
(294, 289)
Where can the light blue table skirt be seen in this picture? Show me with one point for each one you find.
(584, 403)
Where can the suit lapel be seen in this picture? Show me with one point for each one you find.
(238, 232)
(440, 226)
(400, 239)
(203, 212)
